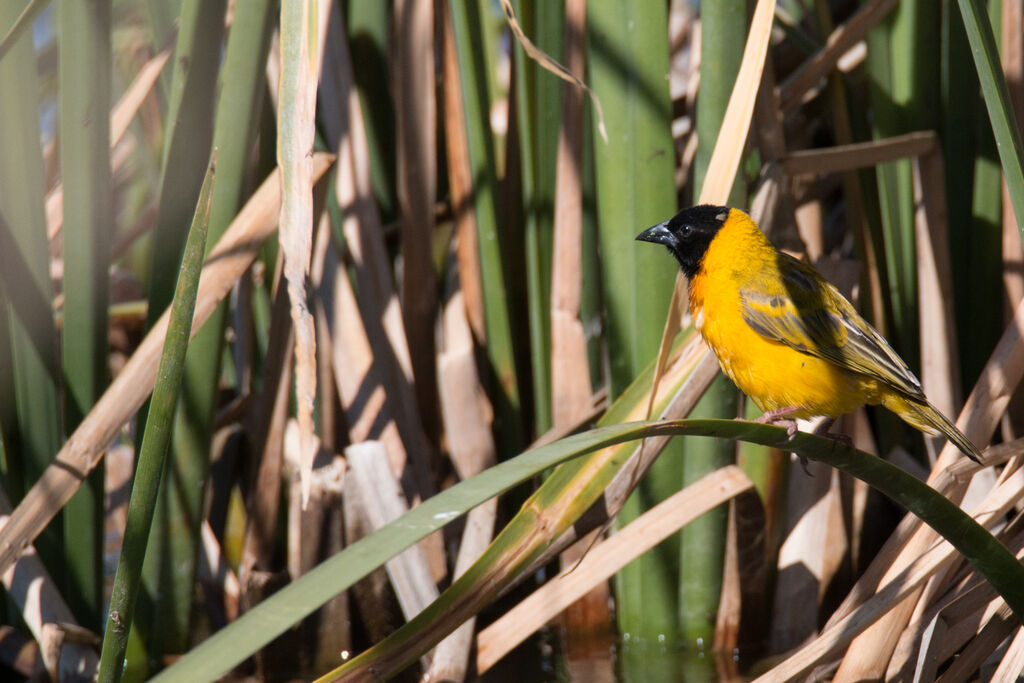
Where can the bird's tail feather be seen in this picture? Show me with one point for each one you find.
(928, 419)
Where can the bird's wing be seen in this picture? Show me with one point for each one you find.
(810, 315)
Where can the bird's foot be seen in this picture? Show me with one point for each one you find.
(790, 425)
(781, 418)
(823, 430)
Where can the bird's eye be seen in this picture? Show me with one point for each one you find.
(685, 230)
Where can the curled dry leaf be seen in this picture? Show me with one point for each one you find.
(297, 101)
(551, 65)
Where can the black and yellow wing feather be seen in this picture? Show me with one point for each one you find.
(810, 315)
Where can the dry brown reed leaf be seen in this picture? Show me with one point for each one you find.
(571, 391)
(313, 535)
(331, 424)
(839, 634)
(844, 37)
(770, 138)
(60, 644)
(855, 204)
(767, 123)
(466, 415)
(858, 155)
(228, 260)
(1012, 662)
(809, 557)
(744, 607)
(370, 343)
(300, 60)
(39, 602)
(381, 502)
(416, 187)
(451, 656)
(360, 375)
(364, 237)
(305, 526)
(136, 93)
(214, 570)
(1012, 49)
(964, 667)
(120, 117)
(691, 82)
(357, 372)
(928, 661)
(963, 630)
(686, 159)
(465, 408)
(954, 618)
(994, 388)
(606, 558)
(730, 602)
(267, 421)
(940, 375)
(460, 179)
(890, 596)
(861, 660)
(981, 415)
(118, 469)
(810, 225)
(942, 632)
(18, 652)
(946, 481)
(863, 435)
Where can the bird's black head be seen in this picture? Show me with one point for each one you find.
(688, 234)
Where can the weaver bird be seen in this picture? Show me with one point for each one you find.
(784, 334)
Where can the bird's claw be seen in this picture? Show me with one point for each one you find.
(803, 465)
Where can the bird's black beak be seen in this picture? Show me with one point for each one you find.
(659, 234)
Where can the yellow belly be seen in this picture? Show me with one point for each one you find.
(777, 376)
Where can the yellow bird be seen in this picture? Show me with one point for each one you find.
(785, 335)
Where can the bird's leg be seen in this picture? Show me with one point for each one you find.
(823, 430)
